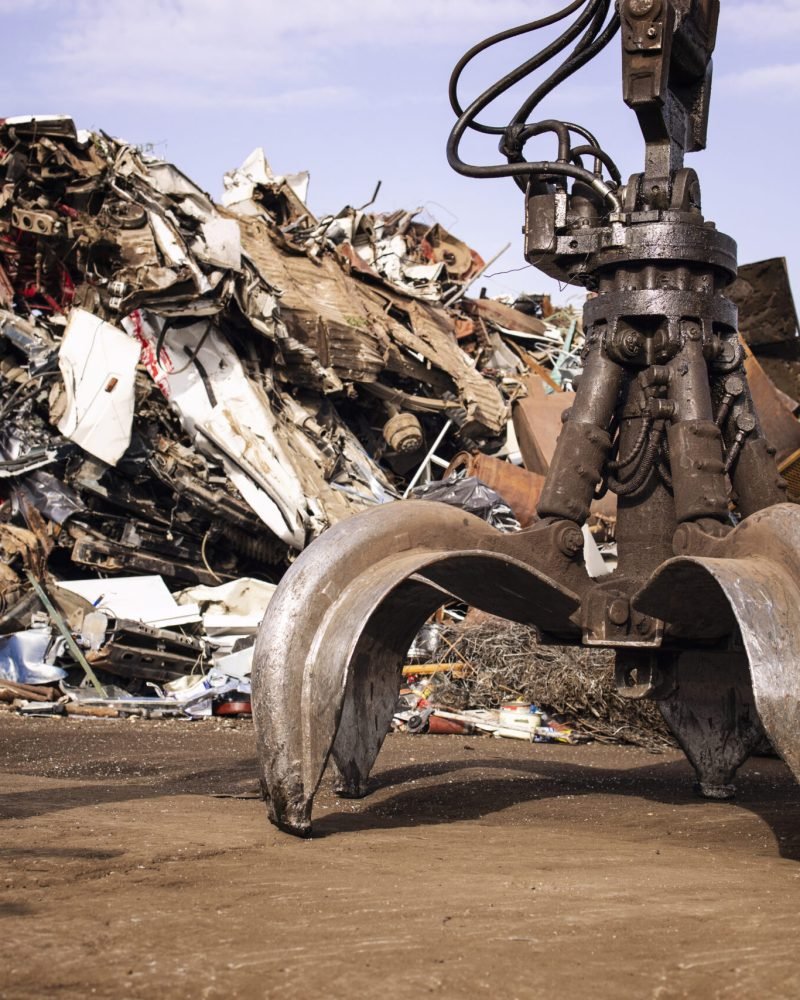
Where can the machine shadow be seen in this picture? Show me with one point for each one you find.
(772, 795)
(415, 800)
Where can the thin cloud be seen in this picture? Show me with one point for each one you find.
(781, 81)
(154, 93)
(763, 20)
(214, 52)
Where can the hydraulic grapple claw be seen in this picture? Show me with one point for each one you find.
(662, 417)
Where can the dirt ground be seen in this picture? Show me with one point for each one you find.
(137, 862)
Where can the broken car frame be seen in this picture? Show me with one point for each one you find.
(703, 608)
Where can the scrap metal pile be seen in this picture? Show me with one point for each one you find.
(191, 392)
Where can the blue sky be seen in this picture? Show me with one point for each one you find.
(356, 91)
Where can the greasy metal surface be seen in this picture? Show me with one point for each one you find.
(713, 717)
(662, 417)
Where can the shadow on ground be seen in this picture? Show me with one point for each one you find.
(411, 795)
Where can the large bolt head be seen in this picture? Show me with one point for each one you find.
(642, 8)
(570, 540)
(618, 611)
(631, 344)
(734, 385)
(746, 422)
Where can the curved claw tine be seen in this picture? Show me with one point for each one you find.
(756, 575)
(287, 632)
(328, 614)
(374, 679)
(292, 768)
(372, 687)
(713, 717)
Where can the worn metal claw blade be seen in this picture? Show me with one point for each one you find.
(753, 582)
(327, 663)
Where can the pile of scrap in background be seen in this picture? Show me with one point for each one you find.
(191, 392)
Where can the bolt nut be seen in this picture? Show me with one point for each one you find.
(640, 8)
(618, 611)
(734, 385)
(631, 344)
(693, 331)
(569, 540)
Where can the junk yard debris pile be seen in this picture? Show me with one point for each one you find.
(191, 392)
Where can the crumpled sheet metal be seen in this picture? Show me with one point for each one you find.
(218, 405)
(132, 242)
(241, 185)
(338, 330)
(228, 415)
(754, 579)
(333, 641)
(23, 658)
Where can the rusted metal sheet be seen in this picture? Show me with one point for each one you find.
(763, 295)
(510, 319)
(774, 409)
(768, 321)
(790, 470)
(538, 418)
(341, 330)
(517, 486)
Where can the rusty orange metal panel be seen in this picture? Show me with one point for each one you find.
(517, 486)
(780, 426)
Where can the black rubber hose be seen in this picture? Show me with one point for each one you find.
(587, 48)
(599, 154)
(633, 485)
(633, 454)
(593, 15)
(523, 70)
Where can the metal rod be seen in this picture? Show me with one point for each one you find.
(426, 461)
(61, 625)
